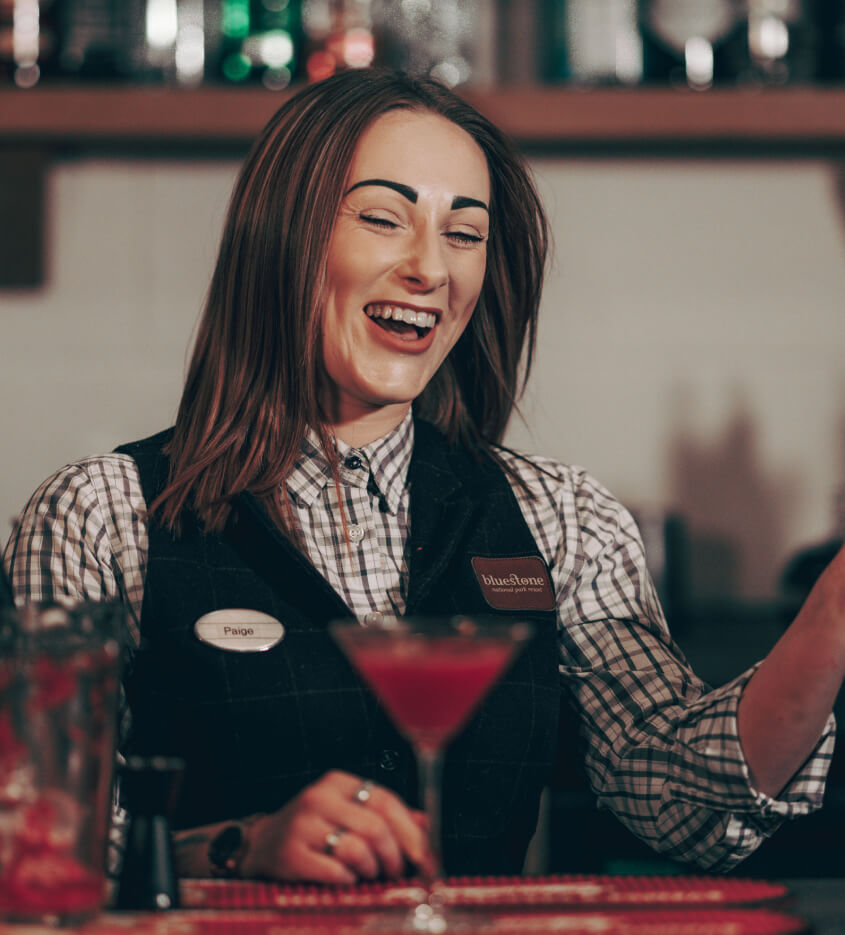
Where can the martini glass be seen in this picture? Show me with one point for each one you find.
(430, 674)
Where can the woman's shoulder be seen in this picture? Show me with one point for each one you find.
(113, 477)
(570, 499)
(95, 469)
(546, 475)
(104, 482)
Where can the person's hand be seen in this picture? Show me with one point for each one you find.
(333, 832)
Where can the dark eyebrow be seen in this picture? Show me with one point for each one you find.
(459, 201)
(404, 190)
(463, 201)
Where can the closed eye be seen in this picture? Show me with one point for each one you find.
(463, 237)
(378, 222)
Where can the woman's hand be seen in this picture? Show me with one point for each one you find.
(330, 834)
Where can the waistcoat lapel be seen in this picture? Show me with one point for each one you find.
(263, 547)
(442, 509)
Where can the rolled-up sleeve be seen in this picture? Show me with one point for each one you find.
(663, 748)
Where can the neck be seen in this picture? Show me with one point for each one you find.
(363, 428)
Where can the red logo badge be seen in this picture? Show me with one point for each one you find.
(518, 583)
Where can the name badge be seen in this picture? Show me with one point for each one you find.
(239, 631)
(521, 582)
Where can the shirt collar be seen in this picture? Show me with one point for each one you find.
(385, 466)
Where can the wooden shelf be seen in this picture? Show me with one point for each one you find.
(555, 117)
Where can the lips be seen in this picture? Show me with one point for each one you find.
(408, 323)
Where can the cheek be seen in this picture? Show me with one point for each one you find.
(356, 262)
(472, 284)
(342, 273)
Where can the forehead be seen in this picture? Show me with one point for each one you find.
(423, 150)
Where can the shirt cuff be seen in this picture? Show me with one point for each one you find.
(714, 773)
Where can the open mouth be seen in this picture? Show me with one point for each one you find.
(408, 323)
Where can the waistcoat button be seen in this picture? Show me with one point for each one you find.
(388, 760)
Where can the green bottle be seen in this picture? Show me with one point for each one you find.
(260, 42)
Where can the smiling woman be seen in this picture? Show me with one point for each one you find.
(337, 453)
(384, 191)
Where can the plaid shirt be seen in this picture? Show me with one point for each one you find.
(663, 750)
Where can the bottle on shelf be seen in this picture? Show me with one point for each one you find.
(29, 41)
(260, 41)
(450, 40)
(782, 41)
(338, 34)
(95, 45)
(593, 42)
(697, 43)
(137, 40)
(166, 40)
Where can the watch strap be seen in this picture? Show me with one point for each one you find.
(227, 850)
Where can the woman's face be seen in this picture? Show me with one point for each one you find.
(405, 267)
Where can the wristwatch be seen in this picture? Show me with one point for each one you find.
(226, 851)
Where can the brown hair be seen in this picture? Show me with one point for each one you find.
(251, 389)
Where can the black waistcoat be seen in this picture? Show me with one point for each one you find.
(255, 728)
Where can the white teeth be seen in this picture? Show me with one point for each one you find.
(399, 313)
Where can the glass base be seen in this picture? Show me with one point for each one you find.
(427, 918)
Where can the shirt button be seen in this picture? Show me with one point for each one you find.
(353, 462)
(389, 760)
(373, 618)
(356, 532)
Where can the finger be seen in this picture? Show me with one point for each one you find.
(388, 826)
(371, 828)
(385, 822)
(315, 866)
(409, 827)
(357, 854)
(333, 798)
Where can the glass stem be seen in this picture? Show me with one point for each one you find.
(430, 771)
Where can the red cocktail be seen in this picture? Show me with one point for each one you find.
(430, 686)
(430, 674)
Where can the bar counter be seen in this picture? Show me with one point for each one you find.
(821, 902)
(576, 905)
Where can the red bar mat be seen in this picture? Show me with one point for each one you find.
(575, 892)
(640, 922)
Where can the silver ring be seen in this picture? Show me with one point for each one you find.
(364, 793)
(332, 840)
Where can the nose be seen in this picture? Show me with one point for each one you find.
(424, 268)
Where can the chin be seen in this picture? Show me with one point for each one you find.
(393, 394)
(383, 400)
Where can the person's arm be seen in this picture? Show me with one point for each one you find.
(788, 700)
(64, 545)
(192, 848)
(664, 751)
(378, 837)
(63, 548)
